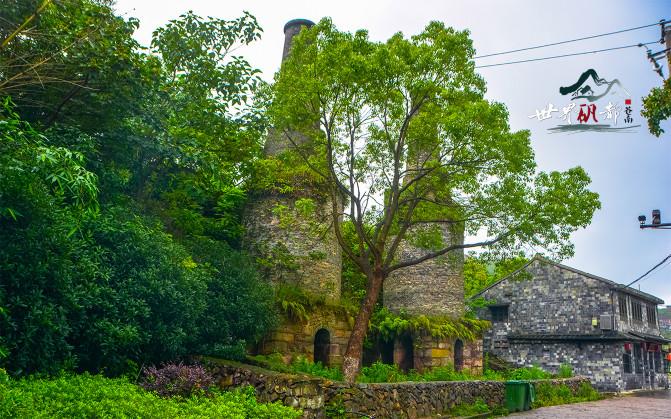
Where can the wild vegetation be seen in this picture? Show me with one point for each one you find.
(404, 135)
(124, 171)
(122, 175)
(87, 396)
(379, 372)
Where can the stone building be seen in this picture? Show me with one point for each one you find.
(432, 288)
(548, 314)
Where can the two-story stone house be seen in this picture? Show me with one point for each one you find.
(548, 314)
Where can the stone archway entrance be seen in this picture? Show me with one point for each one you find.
(405, 354)
(322, 347)
(458, 355)
(387, 352)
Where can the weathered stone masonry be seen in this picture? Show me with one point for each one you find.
(550, 314)
(434, 287)
(383, 400)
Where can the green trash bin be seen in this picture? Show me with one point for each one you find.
(519, 395)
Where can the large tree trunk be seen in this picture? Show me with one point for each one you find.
(353, 354)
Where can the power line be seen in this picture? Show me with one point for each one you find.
(572, 40)
(658, 271)
(564, 55)
(651, 269)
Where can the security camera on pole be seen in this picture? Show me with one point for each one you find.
(656, 221)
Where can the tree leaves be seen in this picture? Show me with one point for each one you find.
(657, 107)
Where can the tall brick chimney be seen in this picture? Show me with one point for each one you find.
(291, 29)
(316, 255)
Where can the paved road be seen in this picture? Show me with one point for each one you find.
(652, 405)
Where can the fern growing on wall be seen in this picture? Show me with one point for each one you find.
(388, 326)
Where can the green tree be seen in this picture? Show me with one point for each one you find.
(122, 176)
(403, 133)
(92, 287)
(75, 62)
(481, 271)
(173, 126)
(657, 107)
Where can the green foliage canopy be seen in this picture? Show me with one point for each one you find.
(414, 149)
(657, 107)
(122, 178)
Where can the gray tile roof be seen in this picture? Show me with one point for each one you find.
(613, 285)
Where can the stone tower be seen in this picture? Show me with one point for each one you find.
(434, 287)
(299, 254)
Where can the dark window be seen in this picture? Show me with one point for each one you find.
(626, 358)
(622, 299)
(499, 313)
(458, 355)
(626, 362)
(651, 311)
(658, 362)
(636, 311)
(638, 359)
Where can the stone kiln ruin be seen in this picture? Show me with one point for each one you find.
(435, 287)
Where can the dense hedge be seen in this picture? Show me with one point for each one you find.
(121, 291)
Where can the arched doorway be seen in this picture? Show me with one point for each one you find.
(387, 352)
(322, 347)
(458, 355)
(406, 353)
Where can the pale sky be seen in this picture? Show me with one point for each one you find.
(630, 171)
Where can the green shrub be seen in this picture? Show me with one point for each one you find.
(551, 395)
(528, 373)
(492, 375)
(475, 408)
(299, 365)
(85, 396)
(380, 372)
(587, 393)
(565, 371)
(122, 289)
(302, 365)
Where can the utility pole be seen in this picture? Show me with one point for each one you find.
(666, 36)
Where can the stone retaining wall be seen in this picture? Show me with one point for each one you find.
(381, 400)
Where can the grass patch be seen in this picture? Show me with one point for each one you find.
(385, 373)
(87, 396)
(476, 408)
(549, 395)
(379, 372)
(299, 365)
